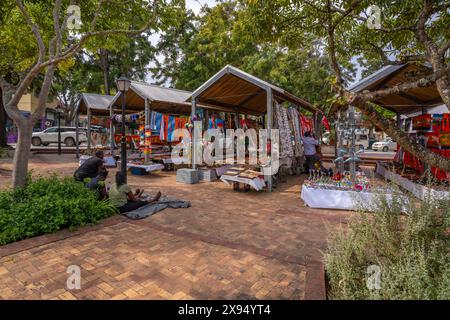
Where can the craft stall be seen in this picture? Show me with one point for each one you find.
(93, 118)
(158, 112)
(422, 115)
(246, 102)
(433, 131)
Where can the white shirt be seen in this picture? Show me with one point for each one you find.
(309, 143)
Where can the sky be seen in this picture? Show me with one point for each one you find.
(196, 6)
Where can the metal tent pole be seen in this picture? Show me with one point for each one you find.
(193, 138)
(77, 138)
(89, 128)
(146, 125)
(111, 129)
(269, 130)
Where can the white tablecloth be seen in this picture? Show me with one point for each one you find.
(341, 199)
(109, 161)
(147, 167)
(418, 190)
(256, 183)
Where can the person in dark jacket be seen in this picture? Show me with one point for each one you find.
(91, 168)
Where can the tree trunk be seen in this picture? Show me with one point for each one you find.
(104, 65)
(403, 139)
(22, 153)
(3, 136)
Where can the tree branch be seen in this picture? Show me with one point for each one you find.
(346, 13)
(34, 29)
(404, 87)
(402, 138)
(421, 33)
(443, 49)
(43, 95)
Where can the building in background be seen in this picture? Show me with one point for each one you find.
(28, 104)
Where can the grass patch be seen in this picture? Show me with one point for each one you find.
(48, 204)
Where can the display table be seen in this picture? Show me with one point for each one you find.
(256, 183)
(342, 199)
(147, 167)
(108, 161)
(222, 169)
(418, 190)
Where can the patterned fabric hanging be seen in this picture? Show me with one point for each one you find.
(161, 129)
(286, 149)
(171, 128)
(294, 116)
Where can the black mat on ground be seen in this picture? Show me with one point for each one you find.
(152, 208)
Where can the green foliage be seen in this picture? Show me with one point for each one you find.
(412, 252)
(196, 47)
(4, 152)
(46, 205)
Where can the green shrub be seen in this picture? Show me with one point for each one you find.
(46, 205)
(411, 251)
(3, 152)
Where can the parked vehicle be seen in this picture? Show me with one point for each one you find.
(50, 135)
(326, 137)
(386, 145)
(361, 141)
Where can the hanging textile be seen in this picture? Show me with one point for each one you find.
(325, 123)
(152, 120)
(170, 128)
(219, 123)
(294, 115)
(162, 137)
(286, 149)
(158, 120)
(306, 124)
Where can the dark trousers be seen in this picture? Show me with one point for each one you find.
(132, 205)
(310, 162)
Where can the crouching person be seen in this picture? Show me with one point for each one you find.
(98, 184)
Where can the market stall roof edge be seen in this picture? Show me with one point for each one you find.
(97, 103)
(161, 99)
(404, 103)
(237, 91)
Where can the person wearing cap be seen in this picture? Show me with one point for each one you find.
(91, 168)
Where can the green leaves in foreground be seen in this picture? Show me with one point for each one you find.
(46, 205)
(411, 252)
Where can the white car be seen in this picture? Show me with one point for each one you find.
(385, 145)
(50, 135)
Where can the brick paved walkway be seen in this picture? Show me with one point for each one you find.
(226, 246)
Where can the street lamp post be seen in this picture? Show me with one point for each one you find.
(58, 112)
(123, 84)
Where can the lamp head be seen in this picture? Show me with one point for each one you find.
(123, 83)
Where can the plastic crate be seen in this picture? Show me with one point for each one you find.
(138, 171)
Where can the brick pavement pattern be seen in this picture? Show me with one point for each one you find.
(228, 245)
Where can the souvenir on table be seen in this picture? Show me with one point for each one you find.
(444, 140)
(433, 139)
(422, 122)
(445, 124)
(317, 180)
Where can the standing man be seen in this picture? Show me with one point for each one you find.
(309, 144)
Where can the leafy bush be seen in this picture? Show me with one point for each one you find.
(3, 152)
(411, 251)
(46, 205)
